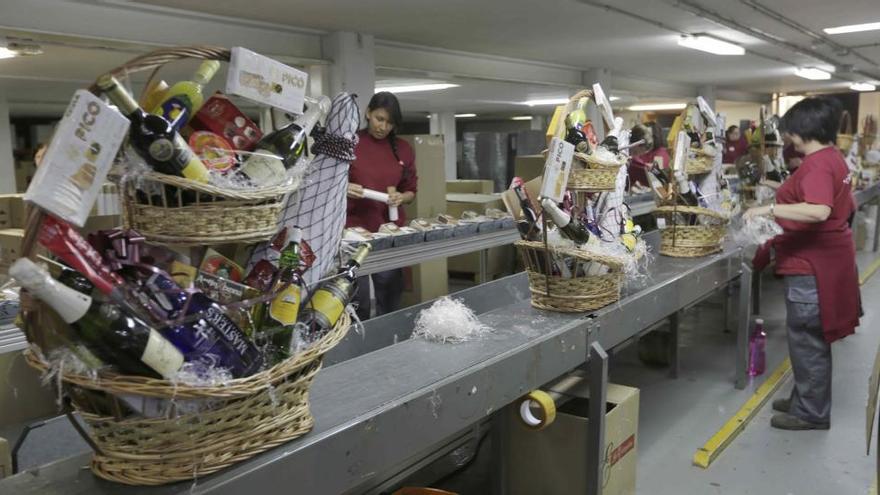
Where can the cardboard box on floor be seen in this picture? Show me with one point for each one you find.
(500, 258)
(469, 186)
(553, 461)
(430, 279)
(528, 166)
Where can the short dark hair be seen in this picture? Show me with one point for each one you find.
(813, 119)
(650, 132)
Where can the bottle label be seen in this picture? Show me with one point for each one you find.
(176, 110)
(264, 168)
(189, 164)
(326, 303)
(160, 355)
(161, 150)
(285, 307)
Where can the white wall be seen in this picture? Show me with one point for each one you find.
(736, 111)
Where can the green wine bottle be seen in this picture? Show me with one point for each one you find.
(328, 302)
(118, 339)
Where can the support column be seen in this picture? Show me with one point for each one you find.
(708, 94)
(7, 163)
(354, 65)
(538, 123)
(603, 77)
(443, 123)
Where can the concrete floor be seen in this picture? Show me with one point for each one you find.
(678, 416)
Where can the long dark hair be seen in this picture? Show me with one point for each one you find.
(389, 103)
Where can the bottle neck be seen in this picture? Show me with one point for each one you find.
(121, 98)
(559, 217)
(70, 304)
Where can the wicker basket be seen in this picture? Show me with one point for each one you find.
(180, 216)
(845, 132)
(247, 416)
(577, 293)
(700, 163)
(691, 241)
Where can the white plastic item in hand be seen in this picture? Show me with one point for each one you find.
(320, 206)
(381, 197)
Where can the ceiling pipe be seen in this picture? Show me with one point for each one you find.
(709, 15)
(841, 50)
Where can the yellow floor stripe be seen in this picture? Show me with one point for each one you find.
(867, 274)
(708, 452)
(873, 490)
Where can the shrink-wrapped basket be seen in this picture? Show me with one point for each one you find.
(699, 163)
(576, 293)
(702, 238)
(186, 212)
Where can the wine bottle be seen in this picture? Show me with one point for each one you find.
(568, 226)
(577, 117)
(328, 303)
(280, 315)
(279, 150)
(181, 101)
(153, 137)
(114, 337)
(685, 191)
(212, 339)
(528, 227)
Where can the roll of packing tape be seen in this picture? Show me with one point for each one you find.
(544, 402)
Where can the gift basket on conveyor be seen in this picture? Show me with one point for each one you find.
(180, 360)
(578, 243)
(693, 203)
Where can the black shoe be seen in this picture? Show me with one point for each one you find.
(782, 405)
(785, 421)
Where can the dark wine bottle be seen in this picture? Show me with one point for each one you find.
(328, 302)
(568, 226)
(153, 137)
(281, 313)
(118, 339)
(279, 150)
(528, 226)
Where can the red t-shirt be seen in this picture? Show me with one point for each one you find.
(789, 152)
(734, 150)
(822, 179)
(639, 166)
(376, 168)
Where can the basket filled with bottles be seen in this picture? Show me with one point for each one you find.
(179, 371)
(183, 351)
(596, 164)
(196, 169)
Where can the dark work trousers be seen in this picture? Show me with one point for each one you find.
(809, 352)
(388, 287)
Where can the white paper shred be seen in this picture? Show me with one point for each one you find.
(449, 321)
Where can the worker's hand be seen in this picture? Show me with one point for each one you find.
(756, 211)
(395, 198)
(795, 163)
(355, 191)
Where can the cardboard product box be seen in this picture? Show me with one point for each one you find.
(12, 211)
(528, 167)
(24, 172)
(469, 186)
(23, 398)
(552, 461)
(458, 203)
(424, 282)
(10, 247)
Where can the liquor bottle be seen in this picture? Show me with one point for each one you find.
(279, 150)
(528, 227)
(327, 304)
(279, 318)
(577, 117)
(202, 330)
(685, 191)
(153, 137)
(181, 101)
(568, 226)
(757, 353)
(113, 336)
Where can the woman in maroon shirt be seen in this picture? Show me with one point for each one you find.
(816, 256)
(735, 145)
(382, 161)
(645, 155)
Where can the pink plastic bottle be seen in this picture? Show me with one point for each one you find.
(757, 345)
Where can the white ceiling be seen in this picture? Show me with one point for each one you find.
(568, 32)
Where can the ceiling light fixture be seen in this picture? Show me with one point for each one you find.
(415, 88)
(812, 73)
(465, 115)
(710, 45)
(522, 117)
(862, 86)
(613, 98)
(853, 28)
(656, 106)
(546, 101)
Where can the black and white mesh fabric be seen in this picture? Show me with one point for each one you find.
(319, 206)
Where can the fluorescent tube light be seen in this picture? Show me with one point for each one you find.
(414, 88)
(613, 98)
(7, 53)
(657, 106)
(812, 74)
(546, 101)
(522, 117)
(862, 86)
(853, 28)
(465, 115)
(710, 45)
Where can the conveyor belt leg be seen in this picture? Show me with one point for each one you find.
(877, 228)
(744, 318)
(674, 319)
(500, 437)
(598, 364)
